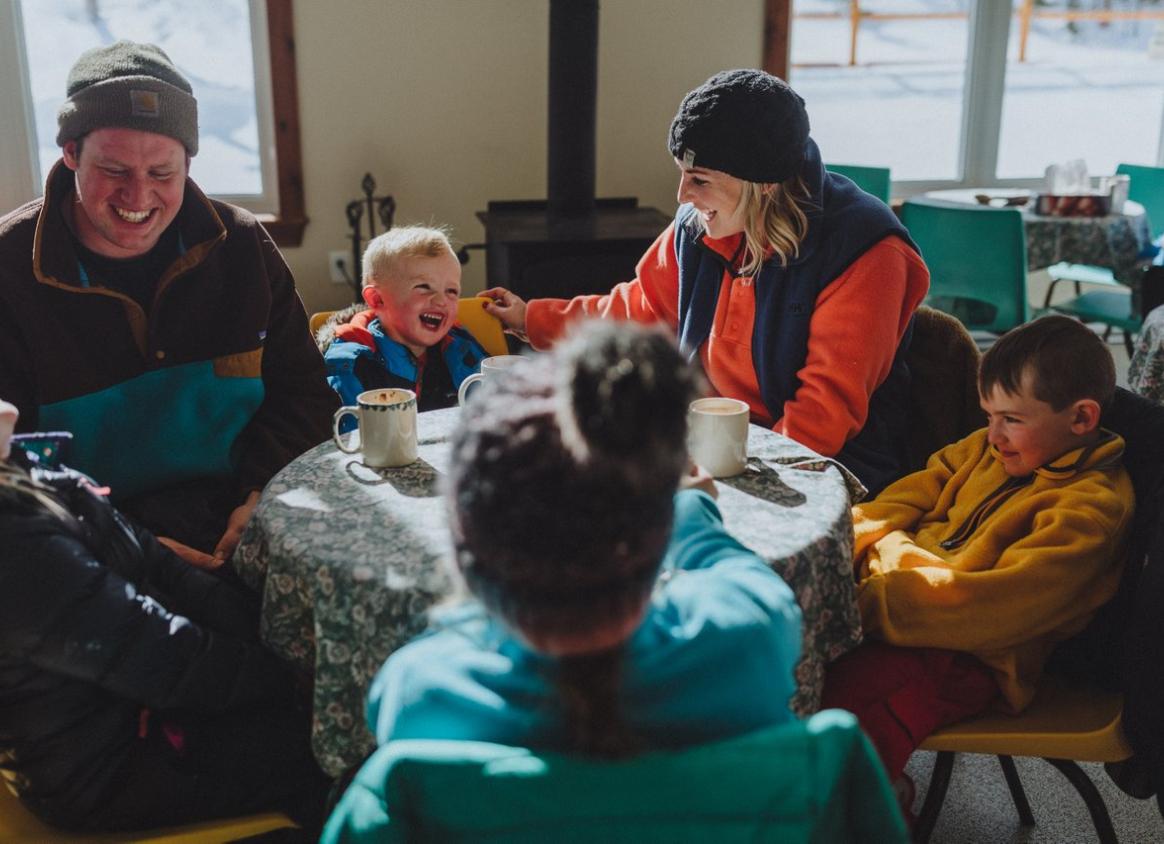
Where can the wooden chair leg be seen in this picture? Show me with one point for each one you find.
(1017, 794)
(1129, 343)
(1091, 797)
(935, 796)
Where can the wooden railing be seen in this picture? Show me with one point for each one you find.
(1026, 12)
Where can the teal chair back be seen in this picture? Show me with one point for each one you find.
(977, 257)
(1147, 188)
(874, 180)
(816, 780)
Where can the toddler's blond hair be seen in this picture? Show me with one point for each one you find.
(384, 251)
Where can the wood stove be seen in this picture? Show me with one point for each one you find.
(571, 242)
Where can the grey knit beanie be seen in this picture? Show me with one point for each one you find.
(746, 123)
(131, 86)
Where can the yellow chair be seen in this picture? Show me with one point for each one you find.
(484, 327)
(472, 316)
(317, 319)
(20, 826)
(1066, 723)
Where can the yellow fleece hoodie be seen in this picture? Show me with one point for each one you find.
(962, 556)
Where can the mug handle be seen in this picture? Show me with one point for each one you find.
(335, 431)
(463, 390)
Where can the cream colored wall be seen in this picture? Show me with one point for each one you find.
(444, 102)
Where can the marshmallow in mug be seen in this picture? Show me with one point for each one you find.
(717, 435)
(489, 366)
(387, 427)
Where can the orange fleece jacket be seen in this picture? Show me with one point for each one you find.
(856, 326)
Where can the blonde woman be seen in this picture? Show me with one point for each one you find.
(793, 288)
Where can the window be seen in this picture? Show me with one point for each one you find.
(975, 92)
(1071, 80)
(901, 104)
(230, 50)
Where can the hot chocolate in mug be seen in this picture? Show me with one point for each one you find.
(387, 427)
(717, 435)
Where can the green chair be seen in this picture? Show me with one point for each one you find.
(1112, 308)
(977, 257)
(1113, 305)
(1147, 188)
(816, 780)
(874, 180)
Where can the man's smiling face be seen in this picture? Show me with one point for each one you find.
(130, 186)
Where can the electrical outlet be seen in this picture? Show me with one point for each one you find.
(337, 265)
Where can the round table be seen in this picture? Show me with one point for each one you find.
(1115, 241)
(349, 559)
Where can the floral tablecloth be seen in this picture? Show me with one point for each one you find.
(349, 559)
(1116, 241)
(1146, 371)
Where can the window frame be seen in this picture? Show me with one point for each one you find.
(280, 102)
(982, 101)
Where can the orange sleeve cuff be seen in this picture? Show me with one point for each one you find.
(651, 297)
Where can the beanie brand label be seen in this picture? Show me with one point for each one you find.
(688, 158)
(143, 103)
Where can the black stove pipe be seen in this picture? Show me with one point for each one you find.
(573, 95)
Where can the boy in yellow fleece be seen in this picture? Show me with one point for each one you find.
(971, 571)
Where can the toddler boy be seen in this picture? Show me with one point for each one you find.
(972, 570)
(404, 333)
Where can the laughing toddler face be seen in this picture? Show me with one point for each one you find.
(416, 300)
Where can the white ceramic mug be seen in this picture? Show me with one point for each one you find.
(489, 366)
(717, 435)
(8, 415)
(387, 431)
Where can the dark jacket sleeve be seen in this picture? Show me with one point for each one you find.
(199, 595)
(16, 379)
(298, 403)
(65, 612)
(135, 554)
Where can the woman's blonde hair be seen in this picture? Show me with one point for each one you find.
(774, 221)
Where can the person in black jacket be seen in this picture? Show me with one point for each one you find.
(133, 690)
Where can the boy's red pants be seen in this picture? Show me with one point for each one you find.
(901, 695)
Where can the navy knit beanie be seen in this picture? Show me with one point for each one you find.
(746, 123)
(130, 86)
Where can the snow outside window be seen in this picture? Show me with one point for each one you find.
(935, 89)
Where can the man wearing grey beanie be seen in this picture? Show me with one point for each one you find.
(160, 327)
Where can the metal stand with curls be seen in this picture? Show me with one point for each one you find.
(369, 207)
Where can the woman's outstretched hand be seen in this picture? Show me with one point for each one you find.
(508, 308)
